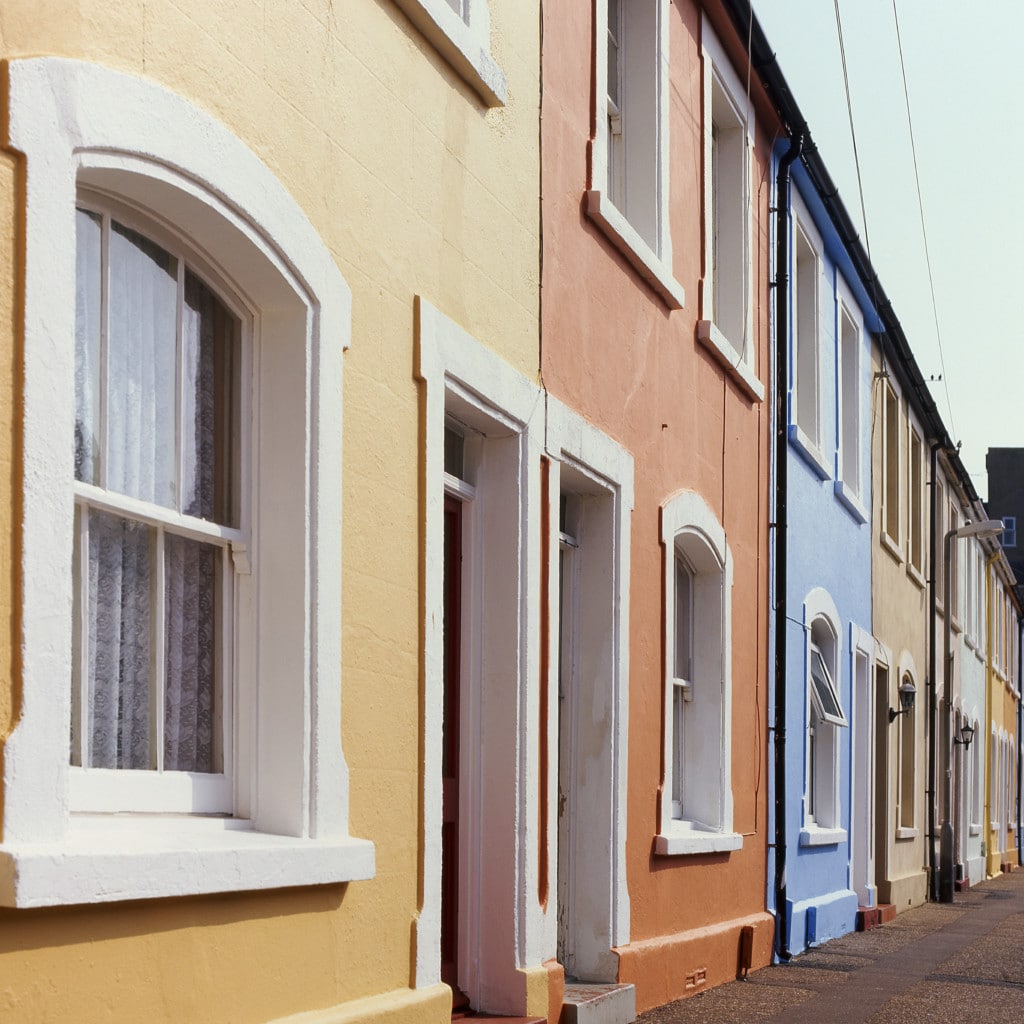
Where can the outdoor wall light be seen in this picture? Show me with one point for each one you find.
(907, 693)
(965, 737)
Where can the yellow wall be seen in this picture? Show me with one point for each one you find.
(416, 188)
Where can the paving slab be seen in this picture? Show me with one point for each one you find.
(935, 963)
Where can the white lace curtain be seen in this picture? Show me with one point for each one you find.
(136, 397)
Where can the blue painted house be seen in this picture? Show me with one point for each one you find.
(822, 709)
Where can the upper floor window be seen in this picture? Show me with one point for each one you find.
(806, 327)
(954, 565)
(727, 317)
(696, 812)
(849, 400)
(891, 466)
(915, 504)
(1009, 535)
(460, 30)
(628, 193)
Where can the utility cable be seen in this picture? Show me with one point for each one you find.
(920, 207)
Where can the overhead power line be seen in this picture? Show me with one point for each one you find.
(920, 207)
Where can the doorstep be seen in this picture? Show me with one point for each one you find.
(586, 1003)
(472, 1016)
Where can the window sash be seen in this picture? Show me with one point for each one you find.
(823, 691)
(196, 501)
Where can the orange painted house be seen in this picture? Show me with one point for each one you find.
(656, 174)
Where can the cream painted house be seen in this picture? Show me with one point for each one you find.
(228, 232)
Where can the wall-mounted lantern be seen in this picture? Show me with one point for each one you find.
(907, 693)
(965, 737)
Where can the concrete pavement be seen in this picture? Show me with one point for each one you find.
(939, 963)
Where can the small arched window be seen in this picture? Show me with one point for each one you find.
(697, 807)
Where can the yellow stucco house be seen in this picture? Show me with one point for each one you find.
(233, 236)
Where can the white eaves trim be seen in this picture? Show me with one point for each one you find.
(465, 44)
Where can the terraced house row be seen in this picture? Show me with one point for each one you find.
(478, 539)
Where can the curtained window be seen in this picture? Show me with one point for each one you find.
(157, 466)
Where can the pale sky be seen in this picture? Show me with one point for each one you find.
(965, 77)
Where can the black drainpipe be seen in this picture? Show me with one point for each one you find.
(933, 546)
(781, 484)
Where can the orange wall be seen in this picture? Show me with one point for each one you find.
(613, 352)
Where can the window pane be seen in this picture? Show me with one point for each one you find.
(827, 698)
(88, 313)
(192, 612)
(684, 621)
(142, 362)
(120, 663)
(613, 51)
(209, 486)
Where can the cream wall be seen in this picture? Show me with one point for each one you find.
(900, 613)
(416, 187)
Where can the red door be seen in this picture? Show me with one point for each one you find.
(450, 748)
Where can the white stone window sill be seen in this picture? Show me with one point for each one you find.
(813, 835)
(464, 50)
(907, 833)
(105, 858)
(848, 498)
(730, 360)
(979, 654)
(892, 546)
(975, 830)
(809, 450)
(645, 260)
(690, 837)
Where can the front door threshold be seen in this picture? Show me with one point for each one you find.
(598, 1003)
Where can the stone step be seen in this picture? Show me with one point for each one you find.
(590, 1003)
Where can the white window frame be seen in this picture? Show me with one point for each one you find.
(111, 790)
(805, 338)
(81, 125)
(464, 40)
(849, 473)
(689, 525)
(916, 529)
(728, 283)
(823, 826)
(643, 115)
(892, 435)
(954, 518)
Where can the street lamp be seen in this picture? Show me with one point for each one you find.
(986, 528)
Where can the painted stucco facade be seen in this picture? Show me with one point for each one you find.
(622, 345)
(828, 598)
(364, 142)
(901, 605)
